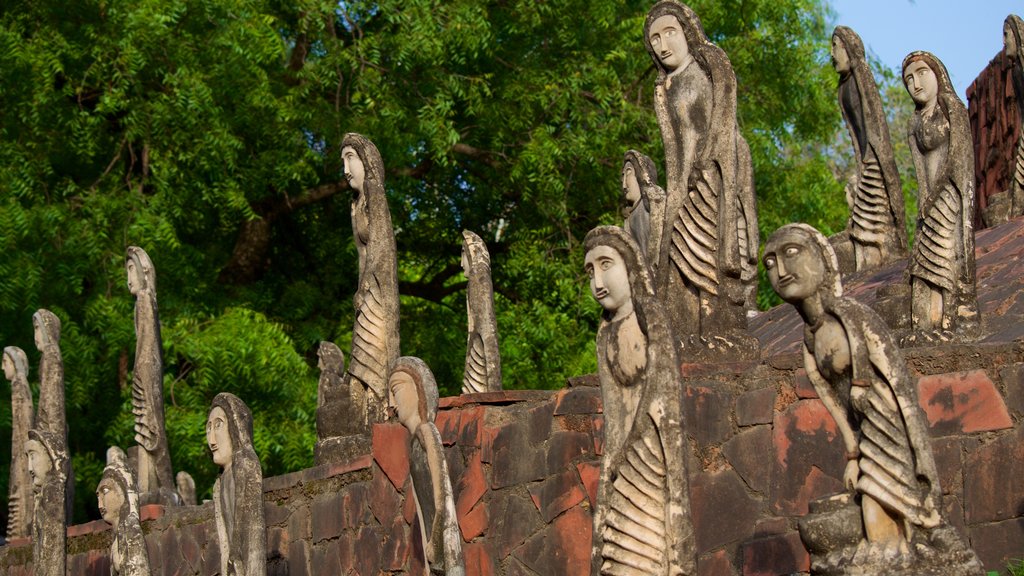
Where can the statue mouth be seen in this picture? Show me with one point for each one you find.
(600, 293)
(786, 280)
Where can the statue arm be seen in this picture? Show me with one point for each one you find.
(831, 402)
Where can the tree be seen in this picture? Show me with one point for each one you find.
(208, 132)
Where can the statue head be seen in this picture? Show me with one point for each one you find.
(330, 358)
(673, 35)
(140, 270)
(116, 493)
(1013, 36)
(46, 327)
(361, 161)
(474, 253)
(412, 392)
(617, 270)
(639, 174)
(15, 363)
(46, 457)
(847, 50)
(228, 429)
(801, 264)
(925, 79)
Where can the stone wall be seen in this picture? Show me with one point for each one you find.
(992, 107)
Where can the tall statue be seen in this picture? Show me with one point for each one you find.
(1013, 44)
(50, 414)
(707, 269)
(118, 501)
(48, 465)
(413, 395)
(642, 522)
(877, 225)
(19, 502)
(859, 372)
(483, 358)
(944, 300)
(375, 336)
(238, 491)
(156, 477)
(644, 209)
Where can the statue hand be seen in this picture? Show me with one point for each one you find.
(850, 477)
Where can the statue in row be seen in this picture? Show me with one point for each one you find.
(118, 498)
(483, 359)
(1010, 203)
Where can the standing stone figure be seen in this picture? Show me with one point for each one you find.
(19, 501)
(483, 358)
(340, 416)
(413, 395)
(156, 477)
(238, 491)
(118, 501)
(943, 290)
(48, 465)
(858, 371)
(50, 415)
(644, 208)
(375, 336)
(642, 519)
(1013, 44)
(708, 263)
(876, 228)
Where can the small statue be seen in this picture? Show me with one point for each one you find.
(186, 488)
(413, 396)
(118, 501)
(375, 335)
(483, 358)
(50, 414)
(642, 519)
(48, 465)
(707, 268)
(858, 371)
(238, 491)
(644, 204)
(340, 410)
(20, 502)
(944, 301)
(877, 228)
(156, 477)
(1013, 44)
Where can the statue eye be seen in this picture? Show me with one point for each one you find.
(590, 271)
(606, 264)
(792, 251)
(769, 263)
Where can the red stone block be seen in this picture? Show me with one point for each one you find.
(512, 520)
(325, 559)
(273, 514)
(299, 524)
(998, 544)
(473, 523)
(802, 385)
(810, 457)
(590, 473)
(581, 400)
(990, 474)
(409, 504)
(565, 447)
(472, 426)
(756, 407)
(395, 548)
(557, 494)
(962, 402)
(598, 435)
(191, 550)
(277, 542)
(478, 561)
(746, 452)
(449, 424)
(367, 551)
(472, 485)
(328, 518)
(391, 451)
(385, 501)
(947, 453)
(563, 547)
(722, 510)
(716, 564)
(89, 528)
(150, 512)
(298, 558)
(783, 554)
(706, 413)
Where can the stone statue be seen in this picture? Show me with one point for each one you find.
(707, 267)
(153, 462)
(375, 336)
(50, 416)
(483, 358)
(20, 502)
(644, 205)
(858, 371)
(340, 412)
(48, 466)
(119, 506)
(1013, 41)
(642, 519)
(877, 226)
(238, 492)
(413, 396)
(942, 276)
(186, 488)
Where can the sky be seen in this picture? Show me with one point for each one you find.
(965, 35)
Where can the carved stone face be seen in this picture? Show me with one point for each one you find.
(355, 173)
(796, 269)
(9, 369)
(669, 42)
(39, 334)
(840, 58)
(630, 184)
(218, 438)
(39, 465)
(110, 498)
(135, 281)
(609, 281)
(921, 83)
(1009, 42)
(405, 399)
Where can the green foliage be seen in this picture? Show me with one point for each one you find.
(190, 127)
